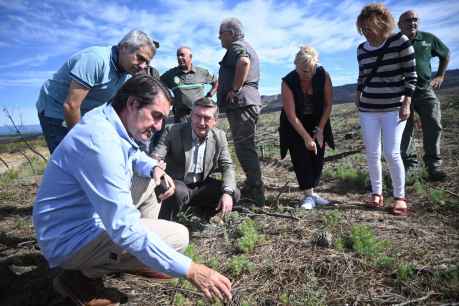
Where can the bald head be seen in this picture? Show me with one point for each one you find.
(408, 23)
(184, 58)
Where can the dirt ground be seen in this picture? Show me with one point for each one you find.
(404, 261)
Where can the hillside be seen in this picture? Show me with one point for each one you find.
(276, 255)
(345, 93)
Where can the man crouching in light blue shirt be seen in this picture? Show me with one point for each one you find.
(87, 220)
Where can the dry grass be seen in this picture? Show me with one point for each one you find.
(417, 266)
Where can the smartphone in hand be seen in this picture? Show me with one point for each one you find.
(162, 187)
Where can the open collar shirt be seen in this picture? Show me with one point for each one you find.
(198, 150)
(85, 191)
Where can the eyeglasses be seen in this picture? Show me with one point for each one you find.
(221, 32)
(413, 19)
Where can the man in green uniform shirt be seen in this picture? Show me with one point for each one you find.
(187, 83)
(425, 102)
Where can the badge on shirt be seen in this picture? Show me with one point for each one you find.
(425, 44)
(177, 80)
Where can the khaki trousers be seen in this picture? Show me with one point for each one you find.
(102, 256)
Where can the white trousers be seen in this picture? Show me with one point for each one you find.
(388, 127)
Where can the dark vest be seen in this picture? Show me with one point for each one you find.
(286, 131)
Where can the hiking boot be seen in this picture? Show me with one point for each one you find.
(255, 194)
(436, 175)
(84, 291)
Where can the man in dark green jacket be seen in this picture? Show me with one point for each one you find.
(425, 102)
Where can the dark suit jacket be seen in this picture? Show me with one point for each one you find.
(175, 148)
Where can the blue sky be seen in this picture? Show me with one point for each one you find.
(36, 37)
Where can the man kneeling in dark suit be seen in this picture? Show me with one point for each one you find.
(193, 151)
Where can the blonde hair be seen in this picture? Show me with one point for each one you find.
(377, 16)
(307, 55)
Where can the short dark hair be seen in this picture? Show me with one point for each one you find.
(144, 88)
(207, 103)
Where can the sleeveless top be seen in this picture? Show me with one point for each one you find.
(286, 131)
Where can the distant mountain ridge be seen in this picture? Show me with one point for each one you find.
(28, 129)
(341, 94)
(345, 93)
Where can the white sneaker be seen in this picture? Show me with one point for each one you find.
(308, 202)
(319, 200)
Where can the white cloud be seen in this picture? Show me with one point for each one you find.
(31, 61)
(275, 28)
(16, 77)
(85, 23)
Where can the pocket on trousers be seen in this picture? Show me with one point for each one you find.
(251, 113)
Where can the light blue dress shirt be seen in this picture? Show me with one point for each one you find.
(86, 190)
(95, 68)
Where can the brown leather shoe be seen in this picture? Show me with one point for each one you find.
(84, 291)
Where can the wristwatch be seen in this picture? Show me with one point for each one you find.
(236, 91)
(228, 191)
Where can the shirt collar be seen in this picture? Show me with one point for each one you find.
(115, 120)
(418, 36)
(192, 69)
(196, 139)
(114, 59)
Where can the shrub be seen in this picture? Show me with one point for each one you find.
(213, 263)
(351, 177)
(331, 219)
(240, 264)
(180, 300)
(405, 272)
(365, 243)
(385, 262)
(8, 177)
(419, 187)
(438, 197)
(192, 253)
(248, 236)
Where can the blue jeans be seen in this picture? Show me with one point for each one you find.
(53, 131)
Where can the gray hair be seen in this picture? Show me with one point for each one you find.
(233, 25)
(183, 47)
(136, 39)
